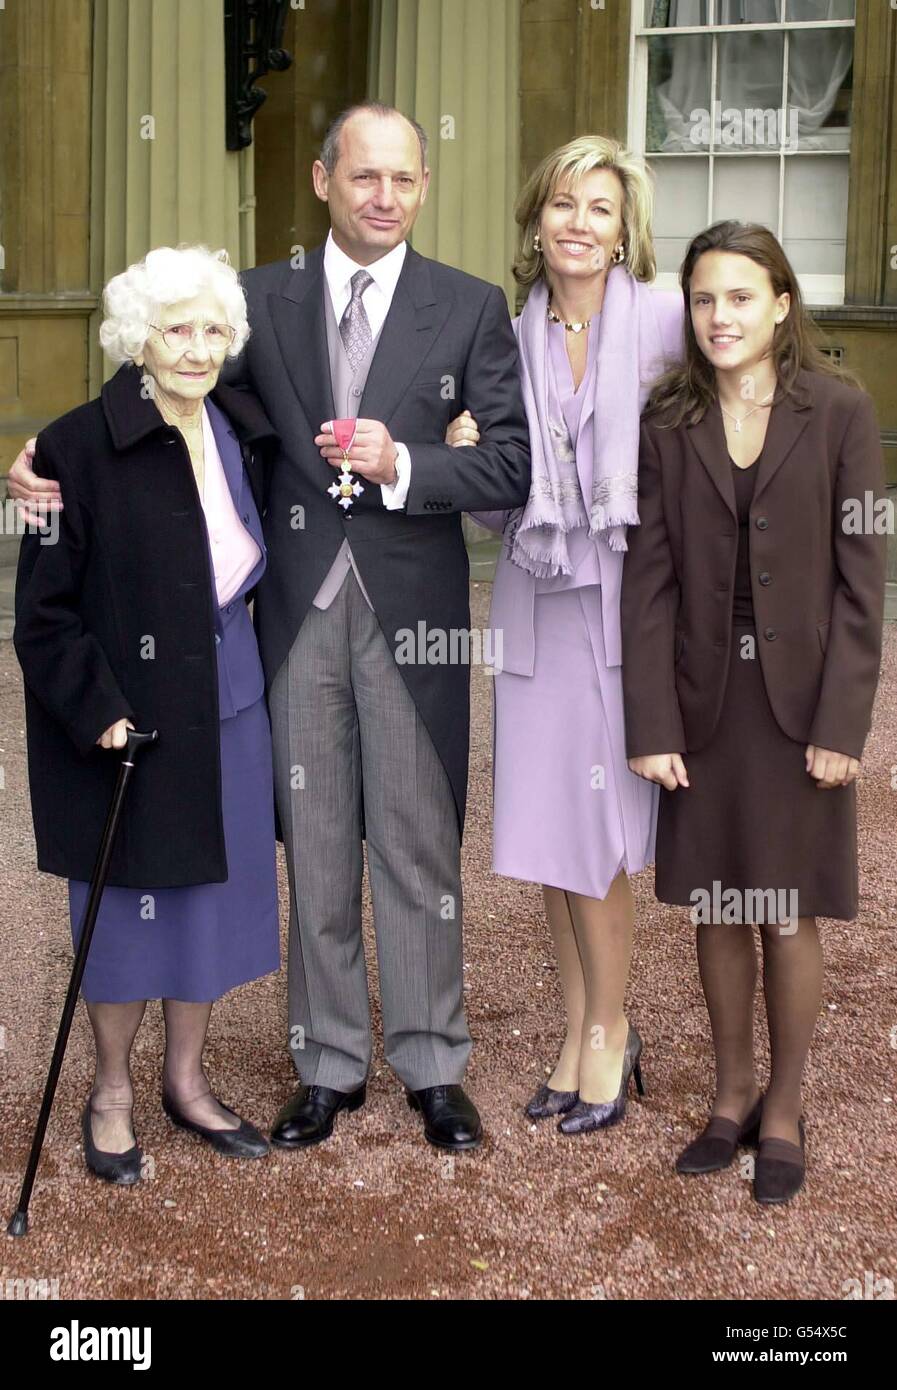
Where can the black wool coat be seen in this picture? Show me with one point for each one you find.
(130, 574)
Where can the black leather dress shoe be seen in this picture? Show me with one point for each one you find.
(245, 1142)
(308, 1116)
(123, 1168)
(451, 1120)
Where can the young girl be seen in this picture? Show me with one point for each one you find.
(752, 619)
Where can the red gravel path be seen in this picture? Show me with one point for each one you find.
(376, 1212)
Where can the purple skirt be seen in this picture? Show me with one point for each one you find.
(197, 943)
(567, 811)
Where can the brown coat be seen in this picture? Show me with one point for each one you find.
(818, 590)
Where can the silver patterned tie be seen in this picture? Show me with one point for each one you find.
(355, 329)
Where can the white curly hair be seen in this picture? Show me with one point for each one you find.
(168, 275)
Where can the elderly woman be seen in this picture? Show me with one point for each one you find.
(568, 812)
(138, 614)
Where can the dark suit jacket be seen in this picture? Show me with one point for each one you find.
(818, 590)
(446, 345)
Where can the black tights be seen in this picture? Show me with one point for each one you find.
(115, 1028)
(792, 987)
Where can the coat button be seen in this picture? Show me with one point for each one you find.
(770, 634)
(761, 523)
(765, 578)
(217, 640)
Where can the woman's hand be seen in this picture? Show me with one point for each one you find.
(116, 736)
(463, 432)
(666, 768)
(830, 769)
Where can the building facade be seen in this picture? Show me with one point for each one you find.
(117, 116)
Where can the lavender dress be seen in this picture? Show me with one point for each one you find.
(568, 812)
(197, 943)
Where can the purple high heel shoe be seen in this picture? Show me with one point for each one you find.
(586, 1116)
(548, 1102)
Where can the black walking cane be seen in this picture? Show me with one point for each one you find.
(18, 1225)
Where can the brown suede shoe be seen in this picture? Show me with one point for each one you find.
(780, 1169)
(715, 1147)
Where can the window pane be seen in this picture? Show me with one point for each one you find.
(749, 90)
(680, 209)
(748, 11)
(678, 91)
(815, 214)
(803, 10)
(820, 83)
(747, 190)
(664, 14)
(661, 14)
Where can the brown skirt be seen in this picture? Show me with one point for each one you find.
(753, 829)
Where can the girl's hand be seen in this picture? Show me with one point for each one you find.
(463, 432)
(116, 736)
(830, 769)
(667, 769)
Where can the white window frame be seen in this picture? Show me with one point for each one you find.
(816, 289)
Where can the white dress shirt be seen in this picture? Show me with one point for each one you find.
(338, 271)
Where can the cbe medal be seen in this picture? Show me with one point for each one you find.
(348, 487)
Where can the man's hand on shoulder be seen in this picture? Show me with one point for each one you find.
(34, 496)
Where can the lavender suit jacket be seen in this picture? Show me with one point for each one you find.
(514, 589)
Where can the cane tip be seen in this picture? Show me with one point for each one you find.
(18, 1225)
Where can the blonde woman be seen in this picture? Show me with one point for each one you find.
(569, 814)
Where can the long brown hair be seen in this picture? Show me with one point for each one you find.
(687, 391)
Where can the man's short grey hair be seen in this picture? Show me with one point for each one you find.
(168, 275)
(330, 150)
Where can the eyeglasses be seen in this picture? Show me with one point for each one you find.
(180, 336)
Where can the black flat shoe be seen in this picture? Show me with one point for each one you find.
(715, 1146)
(780, 1169)
(586, 1115)
(245, 1142)
(451, 1120)
(123, 1169)
(548, 1102)
(308, 1116)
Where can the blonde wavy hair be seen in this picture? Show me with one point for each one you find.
(567, 167)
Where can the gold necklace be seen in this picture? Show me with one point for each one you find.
(570, 327)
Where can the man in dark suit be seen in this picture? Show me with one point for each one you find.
(367, 742)
(366, 567)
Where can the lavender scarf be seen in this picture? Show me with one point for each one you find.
(630, 355)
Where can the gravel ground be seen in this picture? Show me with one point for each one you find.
(376, 1212)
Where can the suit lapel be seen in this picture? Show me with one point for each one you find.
(787, 421)
(297, 314)
(228, 451)
(709, 440)
(412, 325)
